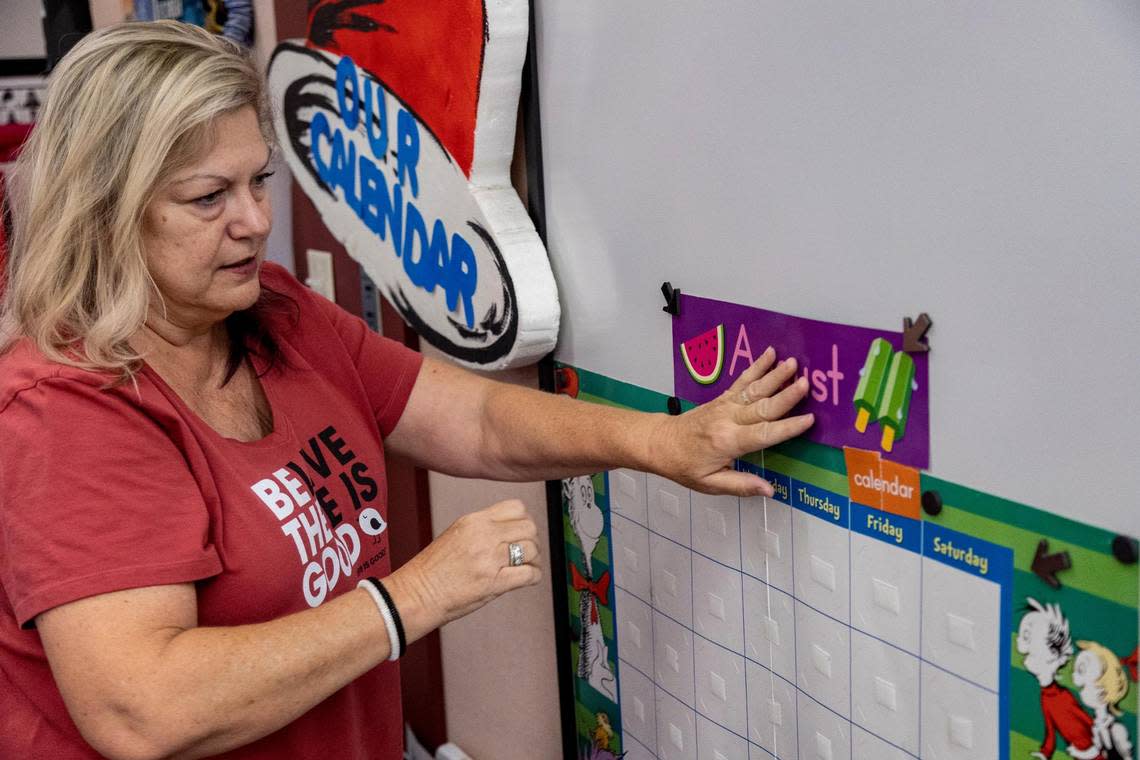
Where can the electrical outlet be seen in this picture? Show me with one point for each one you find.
(320, 276)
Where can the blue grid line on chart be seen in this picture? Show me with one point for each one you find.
(743, 626)
(792, 592)
(921, 595)
(694, 652)
(851, 643)
(655, 609)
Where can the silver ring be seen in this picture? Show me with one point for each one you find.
(516, 554)
(744, 399)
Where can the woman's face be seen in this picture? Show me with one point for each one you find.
(204, 232)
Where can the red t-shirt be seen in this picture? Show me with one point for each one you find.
(108, 489)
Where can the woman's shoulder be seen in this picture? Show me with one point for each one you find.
(23, 366)
(25, 372)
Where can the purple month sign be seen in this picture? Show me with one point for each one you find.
(864, 390)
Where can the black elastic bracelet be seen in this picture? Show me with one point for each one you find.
(392, 608)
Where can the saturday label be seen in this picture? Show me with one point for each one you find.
(972, 555)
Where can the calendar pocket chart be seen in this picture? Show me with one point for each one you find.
(839, 619)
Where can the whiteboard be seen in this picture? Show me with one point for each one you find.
(858, 163)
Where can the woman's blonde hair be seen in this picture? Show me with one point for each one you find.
(1113, 681)
(125, 108)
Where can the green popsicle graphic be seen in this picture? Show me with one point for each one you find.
(870, 388)
(895, 403)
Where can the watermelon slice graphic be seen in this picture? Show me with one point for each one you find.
(704, 355)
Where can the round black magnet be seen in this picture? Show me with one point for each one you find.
(932, 503)
(1125, 549)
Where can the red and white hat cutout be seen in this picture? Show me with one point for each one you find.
(397, 118)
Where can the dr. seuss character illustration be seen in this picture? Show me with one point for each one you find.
(602, 740)
(1103, 682)
(589, 522)
(1045, 642)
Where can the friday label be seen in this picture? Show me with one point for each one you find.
(886, 527)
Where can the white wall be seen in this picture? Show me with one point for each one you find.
(21, 29)
(858, 163)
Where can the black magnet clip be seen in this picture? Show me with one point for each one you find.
(672, 305)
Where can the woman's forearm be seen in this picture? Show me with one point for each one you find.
(196, 691)
(507, 432)
(276, 671)
(221, 688)
(542, 436)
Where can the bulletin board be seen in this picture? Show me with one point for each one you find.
(855, 165)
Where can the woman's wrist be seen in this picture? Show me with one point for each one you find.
(654, 436)
(417, 618)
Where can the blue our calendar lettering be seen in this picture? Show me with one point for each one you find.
(433, 257)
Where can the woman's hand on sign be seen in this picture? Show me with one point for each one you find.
(697, 448)
(468, 565)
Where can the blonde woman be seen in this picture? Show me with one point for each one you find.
(192, 491)
(1103, 684)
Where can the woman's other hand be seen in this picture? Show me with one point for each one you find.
(696, 449)
(468, 565)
